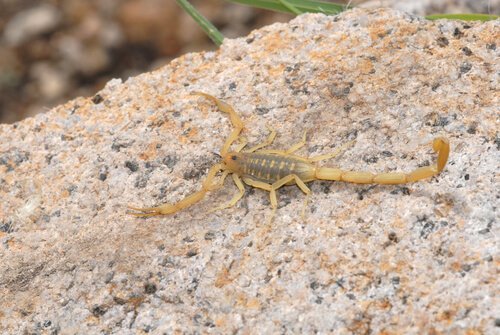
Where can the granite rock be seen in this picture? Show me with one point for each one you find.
(419, 258)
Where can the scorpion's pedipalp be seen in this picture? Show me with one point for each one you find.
(440, 145)
(235, 120)
(191, 199)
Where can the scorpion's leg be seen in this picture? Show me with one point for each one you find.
(164, 209)
(440, 145)
(285, 180)
(237, 197)
(297, 145)
(220, 182)
(292, 149)
(235, 120)
(241, 145)
(265, 187)
(334, 154)
(268, 141)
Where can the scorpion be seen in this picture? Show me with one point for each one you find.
(271, 169)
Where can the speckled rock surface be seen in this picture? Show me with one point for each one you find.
(420, 258)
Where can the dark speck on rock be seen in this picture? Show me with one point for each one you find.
(457, 33)
(472, 127)
(103, 173)
(486, 230)
(348, 106)
(98, 311)
(191, 253)
(314, 285)
(442, 41)
(97, 99)
(442, 121)
(209, 235)
(361, 192)
(170, 161)
(209, 324)
(427, 226)
(6, 227)
(325, 187)
(341, 90)
(188, 239)
(141, 181)
(132, 166)
(497, 142)
(465, 67)
(119, 301)
(119, 144)
(72, 188)
(150, 288)
(370, 159)
(393, 237)
(262, 110)
(402, 189)
(466, 51)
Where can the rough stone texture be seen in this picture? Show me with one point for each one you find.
(426, 7)
(421, 258)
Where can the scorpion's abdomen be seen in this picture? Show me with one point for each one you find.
(269, 168)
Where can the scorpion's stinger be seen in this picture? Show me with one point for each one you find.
(440, 145)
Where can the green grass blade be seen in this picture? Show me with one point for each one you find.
(212, 32)
(463, 17)
(290, 6)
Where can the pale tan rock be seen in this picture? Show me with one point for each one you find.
(408, 259)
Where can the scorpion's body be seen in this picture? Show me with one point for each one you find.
(271, 169)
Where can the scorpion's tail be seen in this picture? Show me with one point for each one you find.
(440, 145)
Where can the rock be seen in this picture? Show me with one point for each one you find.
(416, 258)
(427, 7)
(31, 22)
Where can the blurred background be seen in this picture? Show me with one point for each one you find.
(54, 50)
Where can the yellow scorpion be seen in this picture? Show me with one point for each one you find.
(271, 169)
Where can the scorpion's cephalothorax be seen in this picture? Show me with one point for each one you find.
(268, 167)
